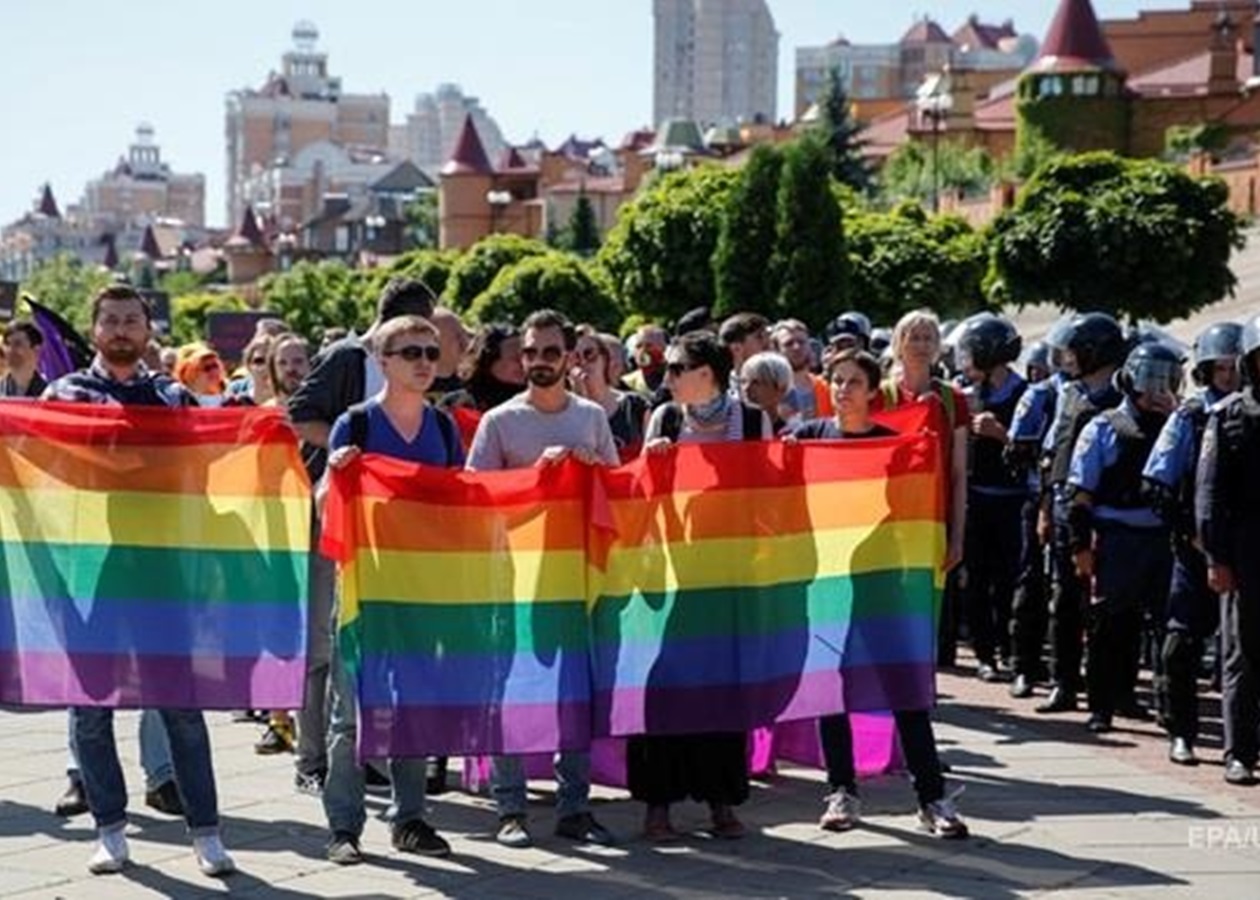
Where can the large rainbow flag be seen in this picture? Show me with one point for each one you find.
(151, 557)
(719, 587)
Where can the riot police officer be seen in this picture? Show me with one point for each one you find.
(985, 346)
(1193, 609)
(1094, 348)
(1227, 507)
(1116, 537)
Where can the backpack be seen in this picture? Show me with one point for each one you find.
(359, 430)
(944, 392)
(672, 422)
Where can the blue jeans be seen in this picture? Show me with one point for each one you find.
(155, 751)
(93, 734)
(573, 784)
(344, 789)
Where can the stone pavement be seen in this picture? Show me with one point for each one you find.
(1052, 809)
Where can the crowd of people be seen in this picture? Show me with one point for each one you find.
(1099, 519)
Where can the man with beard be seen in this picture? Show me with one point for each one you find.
(121, 327)
(544, 426)
(22, 341)
(809, 397)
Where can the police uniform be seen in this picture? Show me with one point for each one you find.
(1193, 611)
(1227, 507)
(995, 498)
(1132, 557)
(1029, 612)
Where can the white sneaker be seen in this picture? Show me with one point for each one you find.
(212, 858)
(941, 819)
(844, 811)
(111, 854)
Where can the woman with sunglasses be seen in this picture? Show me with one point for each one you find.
(711, 768)
(590, 378)
(201, 371)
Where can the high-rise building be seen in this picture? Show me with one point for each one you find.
(142, 186)
(716, 61)
(300, 106)
(434, 127)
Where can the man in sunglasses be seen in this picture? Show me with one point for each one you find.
(543, 426)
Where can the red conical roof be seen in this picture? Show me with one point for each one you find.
(111, 253)
(469, 157)
(1075, 41)
(512, 159)
(149, 244)
(48, 204)
(249, 229)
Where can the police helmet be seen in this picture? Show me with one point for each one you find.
(852, 324)
(986, 341)
(1038, 356)
(1222, 341)
(1250, 347)
(1097, 341)
(1149, 333)
(1060, 331)
(1150, 368)
(881, 340)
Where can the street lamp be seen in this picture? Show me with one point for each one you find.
(498, 201)
(670, 160)
(934, 103)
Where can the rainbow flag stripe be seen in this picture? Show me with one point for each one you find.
(747, 584)
(463, 606)
(151, 557)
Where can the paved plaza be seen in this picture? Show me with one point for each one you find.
(1052, 810)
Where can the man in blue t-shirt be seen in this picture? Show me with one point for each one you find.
(397, 422)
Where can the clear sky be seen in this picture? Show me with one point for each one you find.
(77, 76)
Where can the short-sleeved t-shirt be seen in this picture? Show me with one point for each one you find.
(828, 430)
(429, 446)
(514, 434)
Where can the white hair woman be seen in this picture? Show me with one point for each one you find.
(764, 381)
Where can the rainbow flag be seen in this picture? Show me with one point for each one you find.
(151, 557)
(463, 606)
(717, 588)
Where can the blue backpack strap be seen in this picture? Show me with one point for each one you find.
(450, 436)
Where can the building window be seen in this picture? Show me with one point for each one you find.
(1050, 86)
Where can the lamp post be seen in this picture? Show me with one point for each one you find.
(669, 160)
(934, 103)
(498, 201)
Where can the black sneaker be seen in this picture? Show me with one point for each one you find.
(344, 850)
(374, 777)
(311, 783)
(418, 837)
(165, 799)
(583, 828)
(73, 802)
(435, 775)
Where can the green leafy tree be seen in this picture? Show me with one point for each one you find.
(66, 285)
(433, 267)
(840, 133)
(477, 268)
(421, 215)
(181, 282)
(190, 310)
(314, 296)
(904, 259)
(582, 234)
(1137, 239)
(809, 261)
(556, 280)
(909, 172)
(741, 263)
(659, 255)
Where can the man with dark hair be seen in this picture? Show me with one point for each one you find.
(744, 335)
(545, 425)
(121, 328)
(22, 341)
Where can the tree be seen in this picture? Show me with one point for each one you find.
(809, 261)
(421, 215)
(659, 255)
(478, 266)
(556, 280)
(189, 313)
(839, 133)
(904, 259)
(66, 285)
(1137, 239)
(582, 235)
(741, 263)
(314, 296)
(433, 267)
(909, 172)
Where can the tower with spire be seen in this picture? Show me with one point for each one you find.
(465, 211)
(1073, 95)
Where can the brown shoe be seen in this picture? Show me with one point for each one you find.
(73, 802)
(726, 824)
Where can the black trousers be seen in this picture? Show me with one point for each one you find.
(1131, 571)
(1240, 682)
(994, 546)
(668, 768)
(918, 744)
(1067, 620)
(1194, 613)
(1030, 611)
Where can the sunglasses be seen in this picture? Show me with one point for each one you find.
(211, 365)
(590, 354)
(547, 354)
(258, 361)
(681, 368)
(414, 352)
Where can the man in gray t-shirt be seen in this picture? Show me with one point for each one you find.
(543, 426)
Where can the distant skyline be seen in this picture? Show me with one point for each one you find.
(79, 76)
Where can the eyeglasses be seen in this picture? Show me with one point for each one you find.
(414, 352)
(551, 354)
(677, 369)
(258, 361)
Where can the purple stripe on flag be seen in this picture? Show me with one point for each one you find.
(460, 730)
(162, 682)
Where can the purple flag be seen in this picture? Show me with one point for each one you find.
(64, 350)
